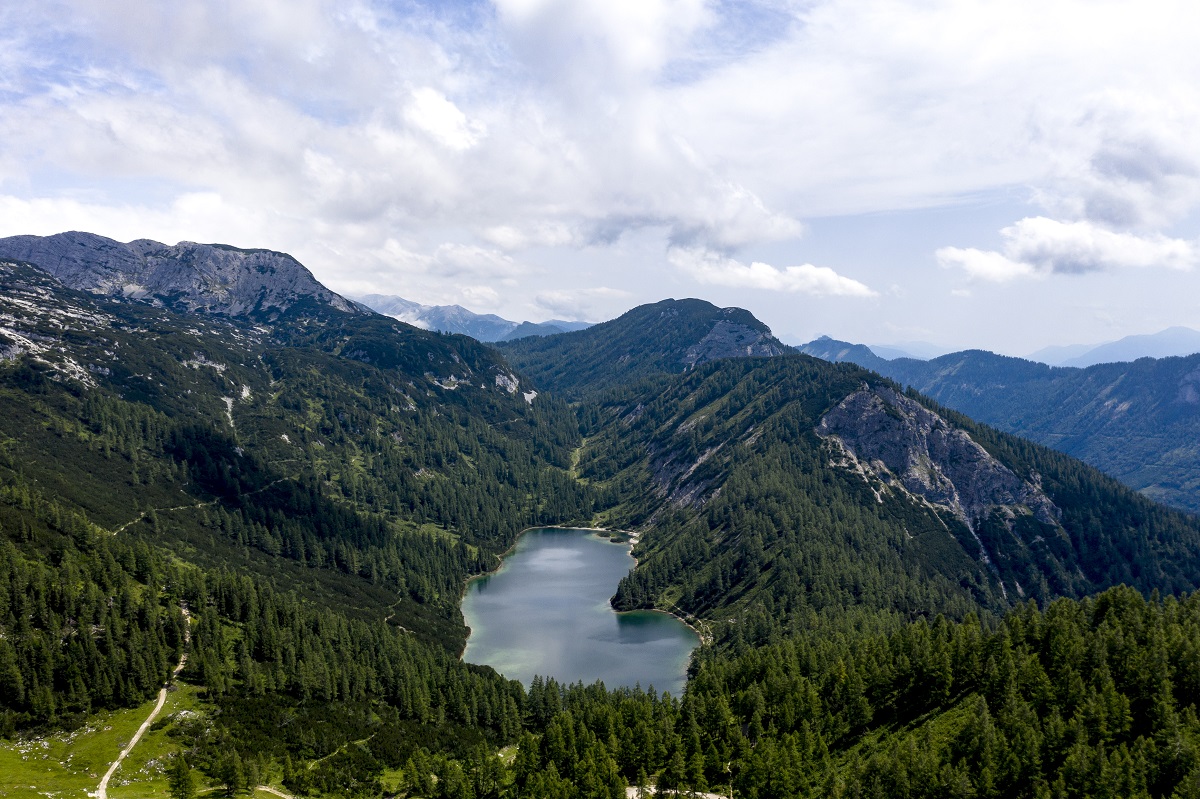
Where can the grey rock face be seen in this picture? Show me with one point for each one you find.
(729, 339)
(190, 277)
(910, 448)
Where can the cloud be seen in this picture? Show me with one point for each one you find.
(577, 304)
(433, 113)
(330, 128)
(984, 264)
(1140, 170)
(543, 234)
(1041, 246)
(715, 269)
(601, 40)
(197, 216)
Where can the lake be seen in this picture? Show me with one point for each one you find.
(546, 612)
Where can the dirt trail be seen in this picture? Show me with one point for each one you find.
(102, 791)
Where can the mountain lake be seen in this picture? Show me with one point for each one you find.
(546, 611)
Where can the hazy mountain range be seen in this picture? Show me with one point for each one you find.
(1167, 343)
(457, 319)
(1173, 341)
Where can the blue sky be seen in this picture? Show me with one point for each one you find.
(999, 175)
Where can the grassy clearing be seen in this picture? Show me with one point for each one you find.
(68, 765)
(144, 772)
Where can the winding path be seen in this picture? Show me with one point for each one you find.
(102, 791)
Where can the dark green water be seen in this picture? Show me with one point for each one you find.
(546, 612)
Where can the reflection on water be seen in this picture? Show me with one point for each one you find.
(546, 612)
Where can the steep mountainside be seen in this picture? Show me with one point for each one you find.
(187, 277)
(320, 447)
(664, 338)
(1139, 421)
(792, 483)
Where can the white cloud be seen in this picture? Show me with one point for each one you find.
(715, 269)
(577, 304)
(983, 264)
(329, 128)
(595, 40)
(1041, 246)
(543, 234)
(1138, 168)
(433, 113)
(199, 216)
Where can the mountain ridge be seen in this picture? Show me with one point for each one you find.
(1135, 420)
(1171, 342)
(666, 337)
(457, 319)
(194, 278)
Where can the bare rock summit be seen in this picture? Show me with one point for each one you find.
(211, 279)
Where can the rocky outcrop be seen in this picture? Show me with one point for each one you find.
(905, 446)
(732, 339)
(187, 277)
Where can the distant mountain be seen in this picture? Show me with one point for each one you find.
(1164, 344)
(457, 319)
(1058, 355)
(667, 337)
(1138, 421)
(1174, 341)
(213, 279)
(892, 353)
(920, 350)
(829, 349)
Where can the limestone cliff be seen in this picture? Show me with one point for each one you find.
(731, 338)
(897, 444)
(187, 277)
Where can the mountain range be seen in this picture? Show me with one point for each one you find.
(1138, 421)
(203, 450)
(1172, 342)
(456, 319)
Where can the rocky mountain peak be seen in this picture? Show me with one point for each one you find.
(188, 277)
(729, 338)
(885, 435)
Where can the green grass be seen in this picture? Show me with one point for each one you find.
(69, 765)
(144, 772)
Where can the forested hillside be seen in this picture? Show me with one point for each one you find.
(664, 338)
(304, 489)
(751, 500)
(361, 458)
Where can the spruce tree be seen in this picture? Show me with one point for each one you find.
(182, 780)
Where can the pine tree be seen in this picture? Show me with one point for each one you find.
(182, 780)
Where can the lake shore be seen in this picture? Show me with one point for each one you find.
(485, 630)
(631, 538)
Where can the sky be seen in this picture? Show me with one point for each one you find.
(971, 174)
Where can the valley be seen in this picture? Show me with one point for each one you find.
(902, 601)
